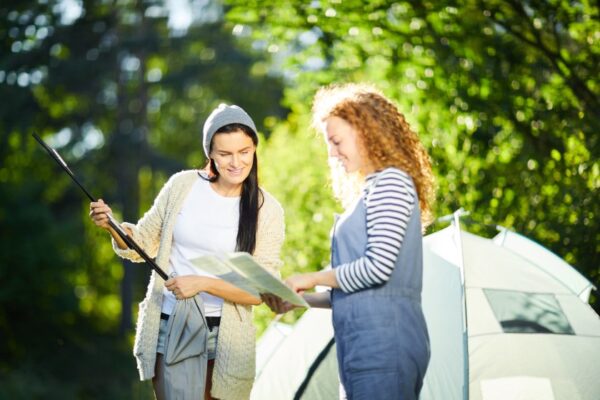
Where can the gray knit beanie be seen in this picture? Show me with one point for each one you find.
(221, 116)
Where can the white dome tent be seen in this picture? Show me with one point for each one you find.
(507, 320)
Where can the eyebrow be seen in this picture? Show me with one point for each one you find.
(229, 152)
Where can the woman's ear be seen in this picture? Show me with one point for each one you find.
(211, 169)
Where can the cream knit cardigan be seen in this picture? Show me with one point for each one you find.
(235, 365)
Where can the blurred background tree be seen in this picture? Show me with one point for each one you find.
(504, 94)
(122, 93)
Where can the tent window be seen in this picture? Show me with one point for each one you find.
(520, 312)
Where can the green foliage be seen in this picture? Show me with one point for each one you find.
(54, 343)
(294, 169)
(89, 367)
(504, 94)
(122, 97)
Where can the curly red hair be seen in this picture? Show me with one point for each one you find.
(385, 138)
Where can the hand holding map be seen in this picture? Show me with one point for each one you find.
(241, 270)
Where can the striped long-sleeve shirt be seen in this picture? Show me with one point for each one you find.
(389, 204)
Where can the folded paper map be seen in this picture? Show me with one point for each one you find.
(241, 270)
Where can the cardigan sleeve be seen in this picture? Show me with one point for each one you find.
(270, 235)
(147, 232)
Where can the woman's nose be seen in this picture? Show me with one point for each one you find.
(333, 151)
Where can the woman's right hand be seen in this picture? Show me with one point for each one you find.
(99, 212)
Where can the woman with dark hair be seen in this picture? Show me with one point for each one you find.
(218, 210)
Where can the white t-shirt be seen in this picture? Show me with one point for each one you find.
(207, 223)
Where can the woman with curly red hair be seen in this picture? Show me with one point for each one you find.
(382, 175)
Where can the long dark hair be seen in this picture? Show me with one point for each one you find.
(251, 199)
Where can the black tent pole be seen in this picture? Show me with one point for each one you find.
(111, 221)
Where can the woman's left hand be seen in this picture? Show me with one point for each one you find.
(276, 304)
(185, 286)
(302, 282)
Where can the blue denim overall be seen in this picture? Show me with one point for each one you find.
(381, 336)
